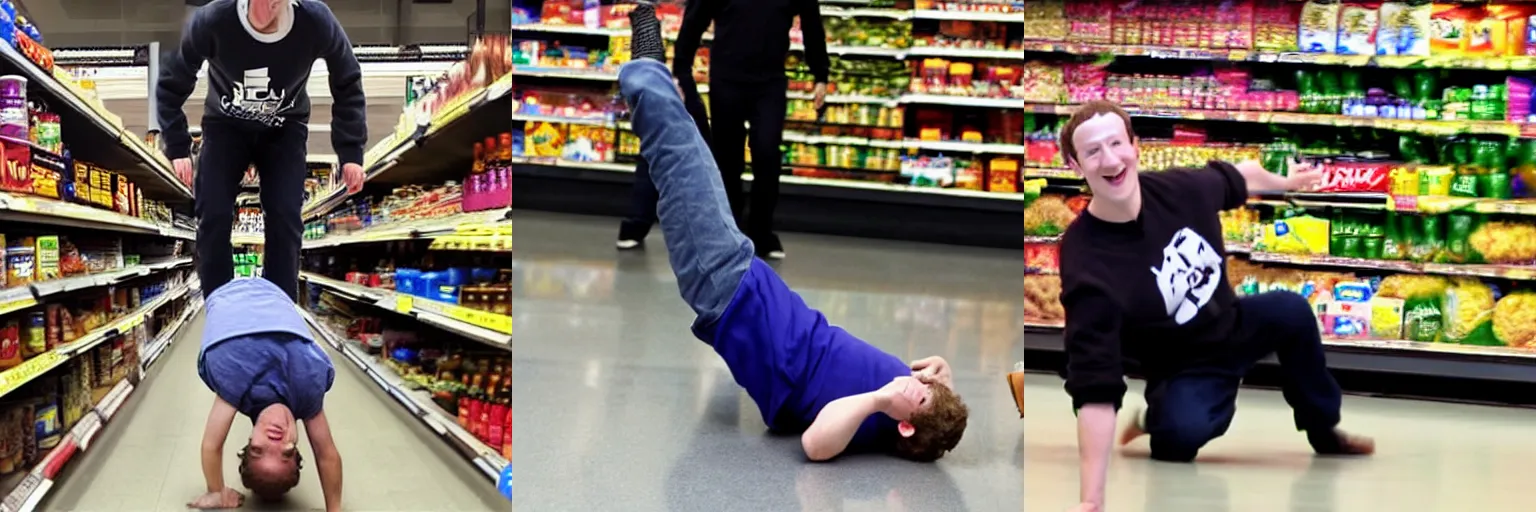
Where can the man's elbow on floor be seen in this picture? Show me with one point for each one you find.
(814, 450)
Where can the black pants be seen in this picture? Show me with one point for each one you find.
(642, 195)
(1191, 408)
(229, 148)
(761, 104)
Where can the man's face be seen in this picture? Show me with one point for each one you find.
(1106, 157)
(273, 445)
(264, 13)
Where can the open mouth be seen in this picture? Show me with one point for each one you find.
(1116, 179)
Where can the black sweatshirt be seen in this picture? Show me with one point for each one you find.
(260, 79)
(1153, 290)
(751, 39)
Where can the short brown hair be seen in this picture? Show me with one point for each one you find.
(1085, 112)
(938, 429)
(264, 487)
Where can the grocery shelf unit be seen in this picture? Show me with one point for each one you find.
(1391, 126)
(95, 277)
(855, 200)
(417, 222)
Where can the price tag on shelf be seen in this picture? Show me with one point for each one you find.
(28, 370)
(404, 303)
(477, 318)
(16, 298)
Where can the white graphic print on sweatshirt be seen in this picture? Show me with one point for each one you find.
(1189, 274)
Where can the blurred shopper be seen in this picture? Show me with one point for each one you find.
(259, 55)
(1143, 279)
(747, 86)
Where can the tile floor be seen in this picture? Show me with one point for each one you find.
(147, 457)
(620, 408)
(1431, 457)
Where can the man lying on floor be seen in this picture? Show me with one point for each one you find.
(806, 376)
(258, 357)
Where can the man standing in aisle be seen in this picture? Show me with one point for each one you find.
(747, 86)
(259, 55)
(1143, 279)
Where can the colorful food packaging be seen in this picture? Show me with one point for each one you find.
(1468, 310)
(1404, 29)
(1356, 176)
(1387, 318)
(1296, 235)
(1319, 27)
(1514, 319)
(1357, 29)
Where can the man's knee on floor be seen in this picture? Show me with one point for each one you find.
(1181, 441)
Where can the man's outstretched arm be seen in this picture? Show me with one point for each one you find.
(214, 433)
(327, 460)
(837, 423)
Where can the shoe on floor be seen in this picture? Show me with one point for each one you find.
(1016, 386)
(768, 246)
(632, 235)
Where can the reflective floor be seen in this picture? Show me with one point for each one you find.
(620, 408)
(147, 457)
(1431, 457)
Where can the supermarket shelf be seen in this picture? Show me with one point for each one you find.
(966, 147)
(446, 141)
(1005, 17)
(423, 228)
(41, 210)
(486, 459)
(584, 121)
(1051, 172)
(1376, 356)
(16, 376)
(150, 353)
(1425, 127)
(34, 486)
(856, 99)
(976, 53)
(488, 328)
(98, 136)
(789, 180)
(572, 74)
(22, 297)
(1495, 271)
(962, 101)
(1041, 239)
(248, 239)
(1523, 63)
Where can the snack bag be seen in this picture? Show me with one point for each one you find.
(1448, 30)
(1404, 29)
(1387, 318)
(1357, 29)
(1297, 235)
(1319, 31)
(1468, 313)
(1514, 319)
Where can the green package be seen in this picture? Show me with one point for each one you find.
(1422, 319)
(1392, 246)
(1467, 314)
(1459, 228)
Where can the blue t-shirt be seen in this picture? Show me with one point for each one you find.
(257, 351)
(793, 363)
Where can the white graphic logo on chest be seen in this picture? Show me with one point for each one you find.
(1189, 274)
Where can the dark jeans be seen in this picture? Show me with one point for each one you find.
(732, 105)
(1194, 406)
(707, 252)
(229, 148)
(642, 195)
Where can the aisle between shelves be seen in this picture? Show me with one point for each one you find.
(36, 483)
(486, 459)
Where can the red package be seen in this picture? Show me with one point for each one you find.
(1041, 258)
(17, 167)
(1356, 177)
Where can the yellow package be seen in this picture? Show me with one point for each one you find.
(546, 140)
(1297, 235)
(1514, 319)
(1387, 318)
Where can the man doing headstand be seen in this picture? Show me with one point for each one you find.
(806, 376)
(259, 359)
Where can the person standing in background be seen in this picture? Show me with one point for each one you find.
(748, 86)
(259, 55)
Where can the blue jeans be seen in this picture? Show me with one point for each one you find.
(642, 196)
(1190, 408)
(707, 252)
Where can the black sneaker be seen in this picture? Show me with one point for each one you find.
(768, 246)
(632, 235)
